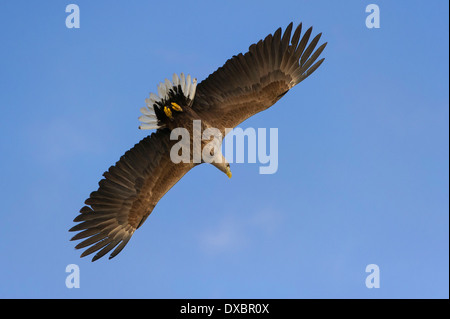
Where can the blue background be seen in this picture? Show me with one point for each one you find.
(363, 152)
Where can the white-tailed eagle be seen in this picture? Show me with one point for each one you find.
(245, 85)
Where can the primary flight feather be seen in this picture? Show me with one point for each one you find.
(245, 85)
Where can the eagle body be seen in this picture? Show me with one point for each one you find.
(244, 86)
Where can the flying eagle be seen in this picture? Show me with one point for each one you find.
(245, 85)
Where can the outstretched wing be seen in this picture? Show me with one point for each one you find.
(127, 195)
(252, 82)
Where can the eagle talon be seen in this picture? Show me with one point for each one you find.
(168, 112)
(176, 107)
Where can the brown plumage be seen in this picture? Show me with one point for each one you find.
(247, 84)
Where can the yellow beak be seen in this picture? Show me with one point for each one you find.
(228, 172)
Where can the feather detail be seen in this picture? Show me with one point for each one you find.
(161, 90)
(146, 111)
(188, 85)
(175, 79)
(166, 91)
(148, 127)
(153, 98)
(148, 119)
(183, 82)
(192, 89)
(168, 84)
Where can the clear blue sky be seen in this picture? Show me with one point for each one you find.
(363, 173)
